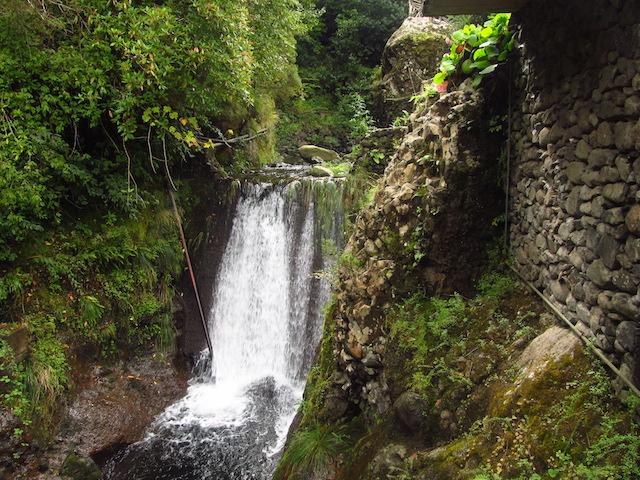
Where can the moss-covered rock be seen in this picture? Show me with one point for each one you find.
(309, 152)
(411, 56)
(76, 467)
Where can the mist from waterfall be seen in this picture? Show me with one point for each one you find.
(265, 324)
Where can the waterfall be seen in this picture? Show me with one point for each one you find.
(265, 324)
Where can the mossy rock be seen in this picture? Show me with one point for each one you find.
(411, 56)
(76, 467)
(319, 171)
(309, 152)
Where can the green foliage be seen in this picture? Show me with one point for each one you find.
(401, 120)
(421, 326)
(339, 169)
(338, 62)
(360, 120)
(12, 386)
(84, 85)
(312, 452)
(494, 285)
(46, 374)
(96, 97)
(102, 285)
(352, 32)
(476, 51)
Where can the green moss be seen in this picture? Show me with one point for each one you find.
(318, 379)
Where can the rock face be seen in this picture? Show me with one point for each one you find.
(411, 56)
(428, 225)
(378, 148)
(112, 409)
(576, 167)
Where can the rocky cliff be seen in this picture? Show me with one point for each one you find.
(426, 229)
(435, 362)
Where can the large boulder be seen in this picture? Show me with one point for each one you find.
(411, 56)
(310, 152)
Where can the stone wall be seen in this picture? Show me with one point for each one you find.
(377, 148)
(575, 199)
(431, 214)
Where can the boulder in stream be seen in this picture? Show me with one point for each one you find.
(311, 152)
(320, 171)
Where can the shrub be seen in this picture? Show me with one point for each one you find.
(476, 51)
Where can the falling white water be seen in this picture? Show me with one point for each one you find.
(265, 323)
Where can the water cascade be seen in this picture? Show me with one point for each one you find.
(265, 323)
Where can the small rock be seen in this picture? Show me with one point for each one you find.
(599, 274)
(615, 192)
(614, 216)
(319, 171)
(627, 334)
(632, 220)
(621, 303)
(574, 172)
(604, 135)
(607, 248)
(560, 290)
(409, 409)
(583, 149)
(601, 157)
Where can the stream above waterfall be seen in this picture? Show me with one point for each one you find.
(265, 323)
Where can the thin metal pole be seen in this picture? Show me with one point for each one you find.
(588, 342)
(191, 275)
(507, 180)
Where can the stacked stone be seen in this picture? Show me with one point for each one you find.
(378, 147)
(575, 196)
(435, 197)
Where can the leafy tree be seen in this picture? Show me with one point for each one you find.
(87, 84)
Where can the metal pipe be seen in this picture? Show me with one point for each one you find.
(573, 328)
(191, 275)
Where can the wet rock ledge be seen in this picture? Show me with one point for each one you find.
(111, 409)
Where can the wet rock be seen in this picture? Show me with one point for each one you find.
(320, 171)
(76, 467)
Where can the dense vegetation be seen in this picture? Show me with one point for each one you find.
(100, 102)
(339, 59)
(457, 354)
